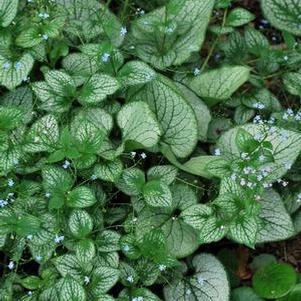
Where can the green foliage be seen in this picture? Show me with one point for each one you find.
(135, 133)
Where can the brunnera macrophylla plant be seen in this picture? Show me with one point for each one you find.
(130, 139)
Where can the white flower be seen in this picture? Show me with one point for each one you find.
(29, 237)
(222, 228)
(126, 248)
(86, 279)
(233, 177)
(245, 156)
(259, 177)
(58, 239)
(196, 71)
(45, 37)
(143, 156)
(105, 57)
(15, 161)
(201, 280)
(262, 158)
(29, 293)
(38, 258)
(217, 152)
(138, 298)
(3, 203)
(257, 119)
(93, 177)
(284, 136)
(11, 265)
(47, 194)
(130, 279)
(133, 154)
(6, 65)
(285, 58)
(258, 137)
(123, 31)
(162, 267)
(284, 183)
(250, 184)
(298, 116)
(259, 105)
(188, 292)
(299, 198)
(169, 30)
(247, 170)
(257, 197)
(10, 183)
(267, 185)
(243, 182)
(285, 116)
(290, 112)
(66, 164)
(18, 65)
(287, 165)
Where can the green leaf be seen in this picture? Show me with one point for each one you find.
(81, 197)
(244, 230)
(10, 118)
(175, 115)
(202, 113)
(163, 44)
(294, 294)
(97, 88)
(219, 84)
(157, 194)
(108, 241)
(94, 21)
(291, 82)
(153, 246)
(182, 239)
(12, 73)
(136, 73)
(219, 167)
(80, 223)
(70, 289)
(244, 294)
(256, 42)
(135, 293)
(165, 173)
(286, 146)
(238, 17)
(200, 165)
(43, 135)
(71, 265)
(56, 179)
(29, 37)
(103, 279)
(85, 250)
(138, 124)
(276, 222)
(80, 67)
(245, 141)
(202, 218)
(21, 98)
(284, 279)
(8, 11)
(109, 170)
(284, 15)
(209, 282)
(56, 92)
(31, 282)
(131, 181)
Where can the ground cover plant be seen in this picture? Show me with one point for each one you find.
(150, 150)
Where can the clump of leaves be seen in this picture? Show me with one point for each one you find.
(134, 132)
